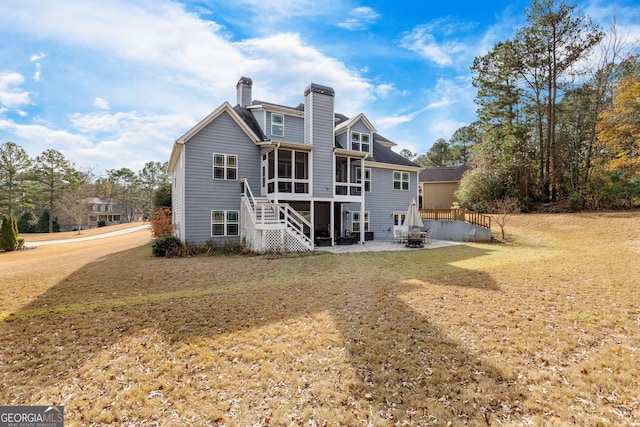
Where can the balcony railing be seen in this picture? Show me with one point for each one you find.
(474, 218)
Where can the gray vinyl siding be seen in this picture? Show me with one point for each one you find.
(320, 107)
(203, 193)
(359, 126)
(259, 115)
(293, 129)
(342, 140)
(383, 200)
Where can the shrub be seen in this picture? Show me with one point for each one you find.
(184, 250)
(161, 223)
(211, 247)
(231, 248)
(479, 188)
(8, 234)
(163, 245)
(27, 223)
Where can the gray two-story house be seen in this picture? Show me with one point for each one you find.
(288, 178)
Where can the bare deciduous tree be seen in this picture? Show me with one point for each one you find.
(503, 210)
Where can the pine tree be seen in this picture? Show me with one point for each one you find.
(53, 172)
(14, 162)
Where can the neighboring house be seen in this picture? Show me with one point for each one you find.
(104, 210)
(438, 186)
(288, 178)
(99, 212)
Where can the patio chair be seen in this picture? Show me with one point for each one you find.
(400, 235)
(427, 236)
(470, 237)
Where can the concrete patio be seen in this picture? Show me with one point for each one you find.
(382, 246)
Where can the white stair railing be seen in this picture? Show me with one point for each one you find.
(263, 213)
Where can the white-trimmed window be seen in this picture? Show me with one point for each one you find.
(360, 142)
(277, 124)
(401, 180)
(225, 166)
(398, 218)
(225, 223)
(356, 224)
(367, 178)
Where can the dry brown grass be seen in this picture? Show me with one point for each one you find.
(541, 331)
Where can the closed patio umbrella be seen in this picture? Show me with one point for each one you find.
(413, 216)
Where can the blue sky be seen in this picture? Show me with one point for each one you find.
(112, 83)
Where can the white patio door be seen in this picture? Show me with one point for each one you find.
(398, 220)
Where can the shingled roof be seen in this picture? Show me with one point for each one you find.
(443, 174)
(382, 154)
(249, 120)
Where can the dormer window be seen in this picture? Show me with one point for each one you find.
(277, 125)
(360, 142)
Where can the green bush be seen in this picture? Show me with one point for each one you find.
(479, 188)
(165, 245)
(231, 248)
(8, 234)
(27, 223)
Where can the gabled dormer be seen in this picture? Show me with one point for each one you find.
(356, 134)
(278, 122)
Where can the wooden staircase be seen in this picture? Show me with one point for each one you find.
(269, 226)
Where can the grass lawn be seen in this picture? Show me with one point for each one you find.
(544, 330)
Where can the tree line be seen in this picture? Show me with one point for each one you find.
(48, 190)
(558, 117)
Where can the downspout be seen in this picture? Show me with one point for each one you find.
(362, 218)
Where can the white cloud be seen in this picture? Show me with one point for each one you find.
(393, 121)
(361, 18)
(37, 57)
(422, 41)
(130, 135)
(442, 99)
(272, 11)
(12, 97)
(36, 60)
(385, 90)
(114, 140)
(193, 66)
(163, 34)
(285, 65)
(189, 51)
(101, 103)
(44, 136)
